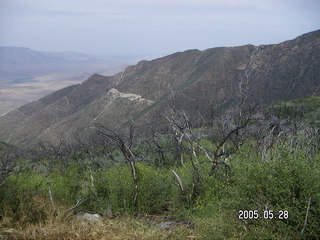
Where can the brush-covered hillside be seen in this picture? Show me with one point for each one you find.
(207, 83)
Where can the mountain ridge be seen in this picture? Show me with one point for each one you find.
(209, 82)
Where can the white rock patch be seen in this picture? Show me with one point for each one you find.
(129, 96)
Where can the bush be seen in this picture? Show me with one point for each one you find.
(284, 181)
(154, 188)
(287, 179)
(114, 188)
(21, 199)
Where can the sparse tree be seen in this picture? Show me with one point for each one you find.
(230, 131)
(125, 143)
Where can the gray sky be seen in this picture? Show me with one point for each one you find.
(149, 27)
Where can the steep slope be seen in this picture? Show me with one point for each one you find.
(210, 82)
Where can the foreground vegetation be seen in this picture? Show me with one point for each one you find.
(198, 182)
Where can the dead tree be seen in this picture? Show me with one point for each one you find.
(125, 144)
(233, 134)
(154, 142)
(182, 128)
(56, 153)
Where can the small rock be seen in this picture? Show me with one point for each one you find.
(167, 225)
(108, 213)
(192, 237)
(10, 233)
(89, 217)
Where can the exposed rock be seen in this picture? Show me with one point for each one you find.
(167, 225)
(10, 233)
(88, 217)
(130, 96)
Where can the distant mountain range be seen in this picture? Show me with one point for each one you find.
(21, 62)
(27, 75)
(210, 82)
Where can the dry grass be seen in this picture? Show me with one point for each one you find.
(67, 226)
(115, 229)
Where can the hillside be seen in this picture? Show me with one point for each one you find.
(302, 109)
(262, 186)
(209, 82)
(27, 75)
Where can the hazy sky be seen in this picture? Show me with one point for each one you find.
(149, 27)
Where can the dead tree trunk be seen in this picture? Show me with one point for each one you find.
(125, 144)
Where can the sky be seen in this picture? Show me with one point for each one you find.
(152, 27)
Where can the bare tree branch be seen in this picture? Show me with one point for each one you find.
(125, 144)
(306, 218)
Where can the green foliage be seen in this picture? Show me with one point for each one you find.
(307, 109)
(179, 198)
(286, 179)
(17, 198)
(114, 188)
(69, 186)
(285, 182)
(192, 183)
(154, 189)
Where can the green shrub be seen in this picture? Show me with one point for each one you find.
(283, 182)
(114, 188)
(153, 189)
(69, 186)
(18, 198)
